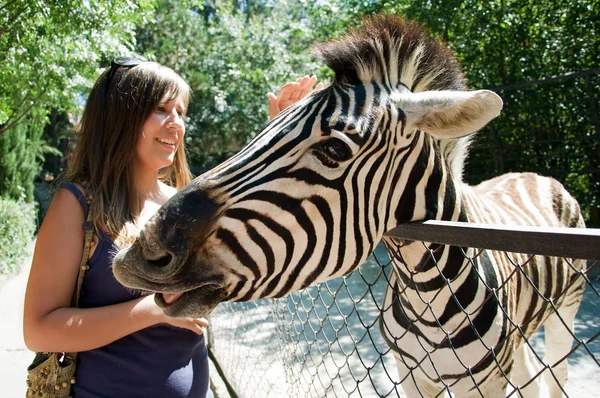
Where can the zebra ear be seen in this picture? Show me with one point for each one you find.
(450, 114)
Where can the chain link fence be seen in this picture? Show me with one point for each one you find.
(325, 341)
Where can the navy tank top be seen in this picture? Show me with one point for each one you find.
(159, 361)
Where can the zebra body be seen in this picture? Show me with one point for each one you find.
(311, 196)
(432, 336)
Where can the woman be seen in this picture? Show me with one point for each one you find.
(130, 158)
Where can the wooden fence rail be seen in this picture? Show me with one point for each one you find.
(560, 242)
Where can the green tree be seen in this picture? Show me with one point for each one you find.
(49, 55)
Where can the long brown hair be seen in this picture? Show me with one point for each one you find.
(118, 105)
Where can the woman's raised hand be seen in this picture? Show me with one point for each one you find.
(291, 93)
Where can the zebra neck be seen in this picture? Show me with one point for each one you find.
(429, 192)
(433, 195)
(425, 261)
(425, 274)
(422, 271)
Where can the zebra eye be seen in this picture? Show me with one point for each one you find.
(336, 149)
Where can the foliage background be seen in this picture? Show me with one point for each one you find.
(232, 52)
(16, 229)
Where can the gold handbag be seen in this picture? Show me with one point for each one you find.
(50, 375)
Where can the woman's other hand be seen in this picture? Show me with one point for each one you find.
(291, 93)
(196, 325)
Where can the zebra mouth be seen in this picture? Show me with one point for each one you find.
(197, 303)
(170, 298)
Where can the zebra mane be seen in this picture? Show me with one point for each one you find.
(390, 50)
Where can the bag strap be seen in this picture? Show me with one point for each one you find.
(88, 228)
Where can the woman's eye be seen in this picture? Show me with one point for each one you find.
(160, 108)
(336, 149)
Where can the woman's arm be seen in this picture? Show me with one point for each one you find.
(49, 323)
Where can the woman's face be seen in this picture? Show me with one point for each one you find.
(161, 135)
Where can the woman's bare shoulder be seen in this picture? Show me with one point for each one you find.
(64, 206)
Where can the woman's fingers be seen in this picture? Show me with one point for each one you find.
(287, 96)
(195, 325)
(200, 324)
(291, 93)
(306, 86)
(273, 105)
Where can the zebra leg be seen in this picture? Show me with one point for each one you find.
(525, 367)
(407, 380)
(558, 344)
(493, 388)
(559, 329)
(414, 383)
(411, 390)
(424, 390)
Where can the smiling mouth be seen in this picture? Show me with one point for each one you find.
(166, 141)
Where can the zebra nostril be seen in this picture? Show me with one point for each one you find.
(161, 262)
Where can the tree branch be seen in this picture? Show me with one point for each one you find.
(11, 123)
(15, 20)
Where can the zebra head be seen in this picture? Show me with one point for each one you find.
(309, 198)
